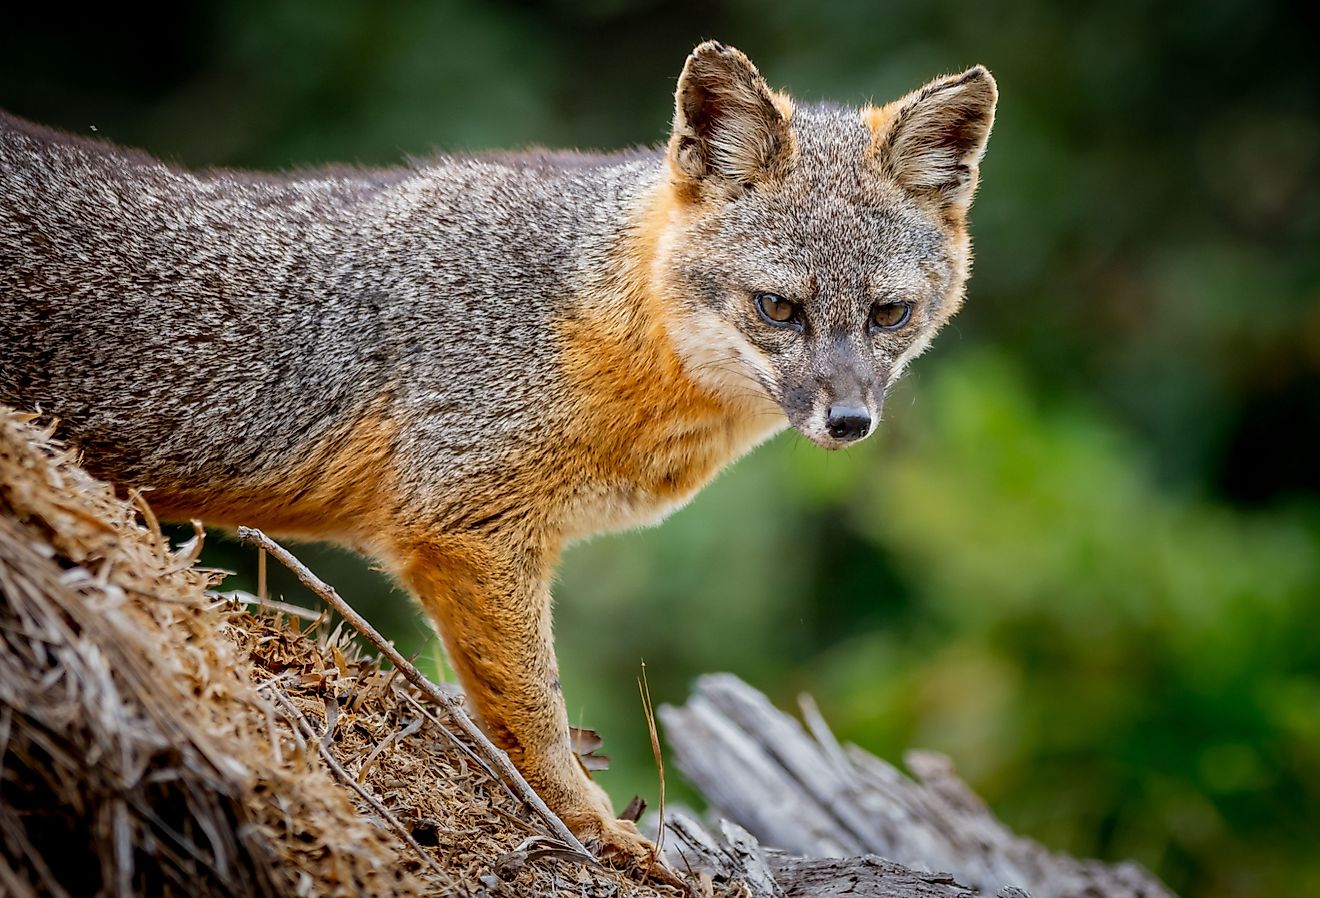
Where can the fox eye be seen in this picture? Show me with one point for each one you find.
(779, 311)
(890, 316)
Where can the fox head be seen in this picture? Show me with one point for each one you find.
(809, 252)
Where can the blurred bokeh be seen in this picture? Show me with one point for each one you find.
(1083, 554)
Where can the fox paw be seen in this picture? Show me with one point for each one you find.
(619, 844)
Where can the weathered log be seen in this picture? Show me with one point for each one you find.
(738, 859)
(796, 789)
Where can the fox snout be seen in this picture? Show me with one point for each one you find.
(833, 419)
(847, 422)
(845, 393)
(835, 423)
(834, 395)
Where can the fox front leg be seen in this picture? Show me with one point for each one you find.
(490, 599)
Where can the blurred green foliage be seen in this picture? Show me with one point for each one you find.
(1082, 556)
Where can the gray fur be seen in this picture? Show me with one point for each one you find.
(188, 327)
(834, 236)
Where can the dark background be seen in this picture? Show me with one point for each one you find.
(1083, 555)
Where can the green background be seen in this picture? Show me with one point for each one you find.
(1083, 554)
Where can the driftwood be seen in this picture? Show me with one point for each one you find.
(158, 738)
(803, 793)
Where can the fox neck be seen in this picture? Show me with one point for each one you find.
(657, 426)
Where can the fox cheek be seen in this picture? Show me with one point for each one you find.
(798, 396)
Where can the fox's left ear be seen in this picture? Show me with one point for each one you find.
(931, 141)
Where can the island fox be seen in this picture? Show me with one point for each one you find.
(461, 367)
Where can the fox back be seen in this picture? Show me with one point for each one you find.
(192, 328)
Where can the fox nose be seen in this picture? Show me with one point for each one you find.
(848, 422)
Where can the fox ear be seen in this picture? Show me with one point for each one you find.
(728, 124)
(931, 141)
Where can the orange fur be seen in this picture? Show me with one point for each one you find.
(346, 489)
(643, 436)
(490, 597)
(646, 424)
(878, 119)
(784, 103)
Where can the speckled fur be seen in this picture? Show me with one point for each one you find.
(461, 366)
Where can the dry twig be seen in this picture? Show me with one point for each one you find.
(497, 758)
(645, 689)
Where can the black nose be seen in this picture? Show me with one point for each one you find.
(848, 422)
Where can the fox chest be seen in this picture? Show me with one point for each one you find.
(639, 482)
(643, 436)
(607, 503)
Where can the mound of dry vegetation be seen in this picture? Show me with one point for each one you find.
(158, 739)
(155, 740)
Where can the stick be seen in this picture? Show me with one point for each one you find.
(457, 742)
(247, 598)
(498, 759)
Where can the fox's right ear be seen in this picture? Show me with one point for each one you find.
(729, 127)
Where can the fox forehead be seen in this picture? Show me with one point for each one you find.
(831, 143)
(808, 253)
(832, 225)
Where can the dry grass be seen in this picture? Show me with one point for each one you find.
(156, 741)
